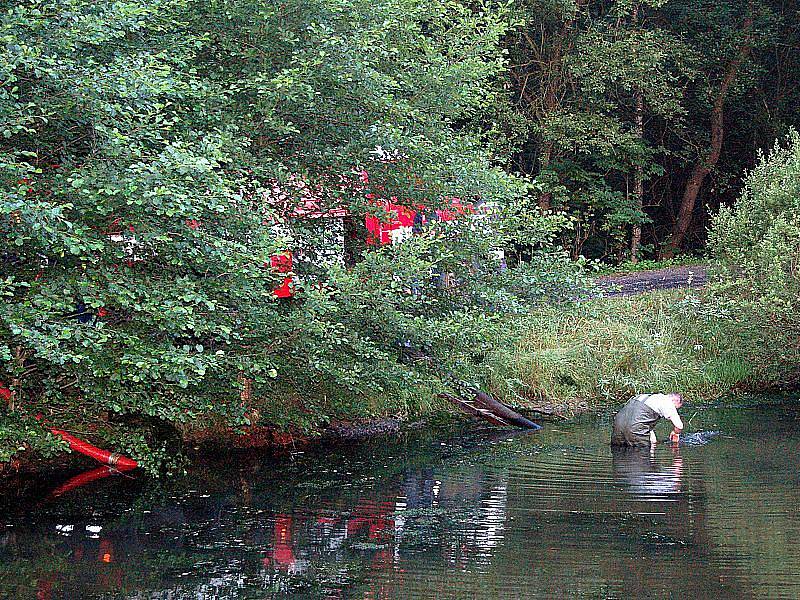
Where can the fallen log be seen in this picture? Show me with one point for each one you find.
(473, 409)
(502, 411)
(482, 405)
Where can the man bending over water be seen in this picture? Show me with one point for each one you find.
(634, 424)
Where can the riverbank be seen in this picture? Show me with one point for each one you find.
(565, 360)
(593, 355)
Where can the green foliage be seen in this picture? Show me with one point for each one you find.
(602, 351)
(586, 65)
(157, 457)
(139, 143)
(21, 433)
(757, 242)
(619, 94)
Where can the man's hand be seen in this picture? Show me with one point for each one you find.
(675, 436)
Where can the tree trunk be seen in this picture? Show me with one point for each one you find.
(546, 198)
(16, 382)
(704, 167)
(638, 176)
(638, 182)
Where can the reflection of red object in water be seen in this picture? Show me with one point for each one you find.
(86, 477)
(282, 553)
(374, 517)
(104, 456)
(44, 589)
(109, 578)
(106, 551)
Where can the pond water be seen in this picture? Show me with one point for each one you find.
(464, 512)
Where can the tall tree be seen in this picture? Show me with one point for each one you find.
(615, 73)
(741, 42)
(649, 93)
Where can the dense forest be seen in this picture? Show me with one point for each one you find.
(638, 118)
(168, 165)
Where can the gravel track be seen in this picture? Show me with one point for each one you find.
(648, 281)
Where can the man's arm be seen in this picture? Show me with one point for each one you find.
(662, 404)
(677, 425)
(671, 413)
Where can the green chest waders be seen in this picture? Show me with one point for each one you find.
(633, 424)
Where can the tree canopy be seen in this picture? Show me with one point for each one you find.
(643, 114)
(139, 146)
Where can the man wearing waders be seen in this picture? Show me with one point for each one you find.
(634, 424)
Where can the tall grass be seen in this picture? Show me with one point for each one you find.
(602, 352)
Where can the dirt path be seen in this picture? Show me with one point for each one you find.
(661, 279)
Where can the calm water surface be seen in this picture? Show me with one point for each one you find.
(470, 514)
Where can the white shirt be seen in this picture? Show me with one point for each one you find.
(665, 407)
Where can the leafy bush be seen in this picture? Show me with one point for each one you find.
(757, 243)
(20, 432)
(139, 142)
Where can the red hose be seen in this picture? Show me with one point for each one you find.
(123, 463)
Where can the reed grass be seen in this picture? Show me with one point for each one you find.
(601, 352)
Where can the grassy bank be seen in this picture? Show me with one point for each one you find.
(598, 353)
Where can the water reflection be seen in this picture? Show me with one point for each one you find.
(465, 517)
(235, 542)
(644, 477)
